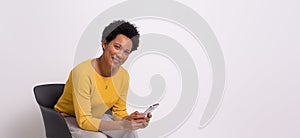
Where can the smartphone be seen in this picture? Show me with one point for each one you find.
(151, 108)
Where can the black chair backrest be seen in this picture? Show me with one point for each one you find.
(46, 96)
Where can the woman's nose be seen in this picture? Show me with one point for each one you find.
(120, 54)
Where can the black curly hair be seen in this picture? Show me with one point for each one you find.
(117, 27)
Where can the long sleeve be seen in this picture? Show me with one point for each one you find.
(82, 102)
(119, 109)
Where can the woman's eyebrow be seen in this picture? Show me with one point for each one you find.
(118, 43)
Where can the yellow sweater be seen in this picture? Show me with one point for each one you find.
(87, 95)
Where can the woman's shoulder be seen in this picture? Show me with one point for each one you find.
(84, 67)
(122, 71)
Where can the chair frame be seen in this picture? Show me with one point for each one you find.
(46, 96)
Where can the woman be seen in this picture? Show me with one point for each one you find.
(97, 85)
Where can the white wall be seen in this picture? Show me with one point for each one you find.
(259, 39)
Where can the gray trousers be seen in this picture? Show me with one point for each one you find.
(80, 133)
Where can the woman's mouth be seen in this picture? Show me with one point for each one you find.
(116, 60)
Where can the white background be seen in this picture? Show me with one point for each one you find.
(259, 39)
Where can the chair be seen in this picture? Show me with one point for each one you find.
(47, 96)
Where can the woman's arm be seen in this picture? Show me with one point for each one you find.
(81, 101)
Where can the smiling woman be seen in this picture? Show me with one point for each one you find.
(115, 54)
(97, 85)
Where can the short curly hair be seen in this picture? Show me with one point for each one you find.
(117, 27)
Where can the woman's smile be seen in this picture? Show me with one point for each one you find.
(116, 60)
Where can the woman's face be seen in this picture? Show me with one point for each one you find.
(117, 51)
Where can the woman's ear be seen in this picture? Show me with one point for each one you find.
(104, 44)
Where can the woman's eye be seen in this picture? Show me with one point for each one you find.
(127, 52)
(117, 47)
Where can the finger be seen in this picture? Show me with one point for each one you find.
(147, 119)
(139, 116)
(145, 124)
(149, 115)
(139, 121)
(134, 113)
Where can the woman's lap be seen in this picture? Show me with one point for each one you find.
(80, 133)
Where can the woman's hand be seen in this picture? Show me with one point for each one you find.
(135, 116)
(130, 125)
(139, 118)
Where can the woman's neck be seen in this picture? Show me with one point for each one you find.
(104, 68)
